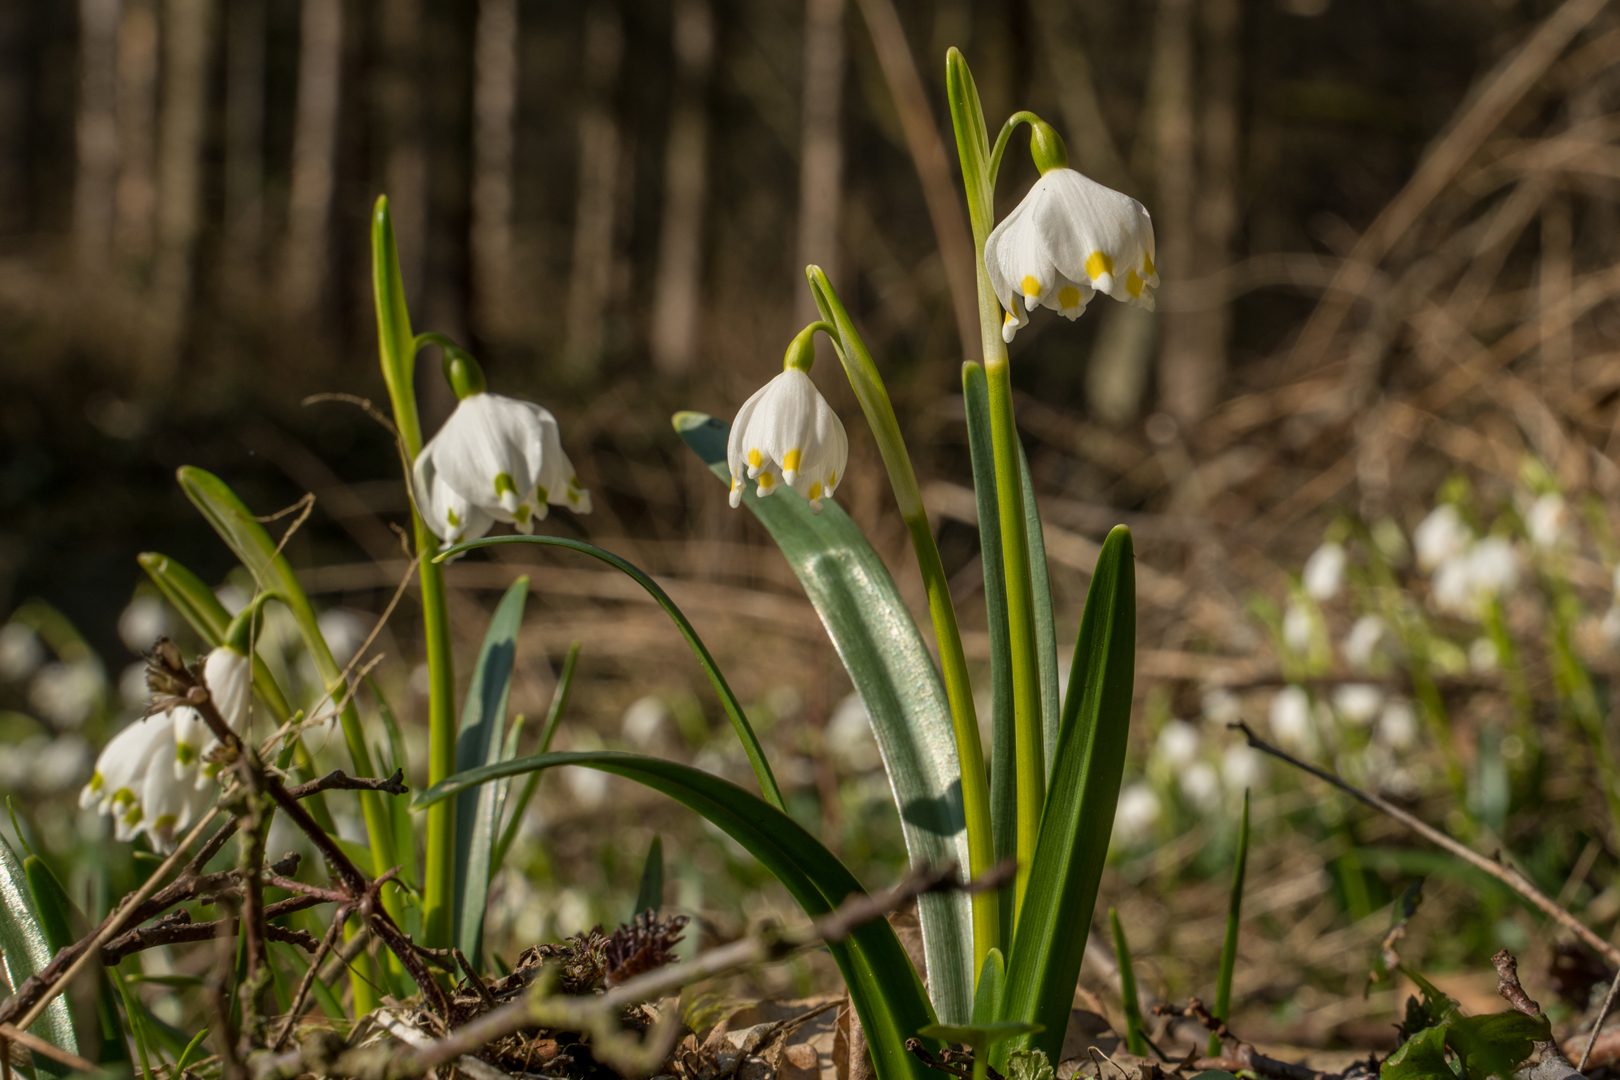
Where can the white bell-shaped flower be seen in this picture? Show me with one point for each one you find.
(229, 677)
(1070, 239)
(168, 803)
(120, 771)
(1323, 575)
(495, 459)
(1441, 537)
(787, 434)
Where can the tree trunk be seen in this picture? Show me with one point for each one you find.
(399, 121)
(309, 205)
(135, 199)
(495, 84)
(244, 152)
(187, 48)
(678, 287)
(821, 157)
(591, 279)
(1182, 356)
(96, 137)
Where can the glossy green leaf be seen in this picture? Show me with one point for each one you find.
(25, 949)
(734, 710)
(887, 993)
(483, 723)
(650, 895)
(890, 665)
(1044, 965)
(1422, 1057)
(1495, 1045)
(57, 915)
(1234, 917)
(559, 702)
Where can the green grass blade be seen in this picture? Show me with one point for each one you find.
(25, 949)
(1045, 629)
(1044, 965)
(185, 1055)
(739, 719)
(399, 811)
(134, 1011)
(57, 915)
(650, 896)
(1003, 776)
(890, 665)
(1135, 1030)
(887, 993)
(483, 723)
(559, 702)
(1234, 915)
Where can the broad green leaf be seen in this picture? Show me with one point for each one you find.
(1003, 775)
(1234, 917)
(1044, 965)
(1435, 1010)
(739, 719)
(1421, 1057)
(887, 993)
(1130, 1004)
(1031, 1065)
(483, 723)
(1496, 1045)
(891, 667)
(559, 702)
(650, 896)
(57, 914)
(24, 950)
(992, 985)
(248, 540)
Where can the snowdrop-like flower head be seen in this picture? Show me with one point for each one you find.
(495, 459)
(1070, 239)
(1362, 642)
(1441, 537)
(1135, 814)
(1178, 743)
(1323, 575)
(1357, 703)
(120, 772)
(787, 434)
(1297, 628)
(1291, 718)
(1547, 520)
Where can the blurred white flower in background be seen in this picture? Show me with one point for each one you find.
(344, 632)
(1547, 520)
(1200, 785)
(20, 651)
(66, 694)
(643, 723)
(1484, 572)
(1323, 575)
(1357, 703)
(1291, 718)
(587, 786)
(142, 622)
(1366, 634)
(1178, 743)
(60, 764)
(849, 736)
(1611, 625)
(1397, 724)
(1483, 656)
(1222, 707)
(1441, 536)
(1136, 814)
(232, 599)
(1242, 767)
(132, 686)
(1296, 628)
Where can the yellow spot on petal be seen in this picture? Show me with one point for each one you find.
(96, 780)
(734, 482)
(1133, 284)
(504, 483)
(453, 518)
(1147, 266)
(133, 817)
(755, 459)
(1098, 265)
(1010, 319)
(765, 481)
(815, 491)
(832, 481)
(521, 514)
(790, 461)
(1069, 297)
(541, 493)
(1031, 286)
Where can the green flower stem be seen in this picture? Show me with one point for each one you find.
(397, 347)
(874, 399)
(1029, 756)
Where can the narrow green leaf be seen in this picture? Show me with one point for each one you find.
(57, 915)
(1135, 1030)
(979, 1036)
(890, 665)
(1045, 629)
(399, 811)
(1003, 774)
(483, 722)
(136, 1013)
(559, 702)
(1044, 965)
(739, 719)
(650, 896)
(887, 993)
(25, 949)
(185, 1055)
(988, 993)
(1234, 916)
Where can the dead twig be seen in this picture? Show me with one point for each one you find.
(1597, 1025)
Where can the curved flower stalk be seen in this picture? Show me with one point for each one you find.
(787, 435)
(495, 459)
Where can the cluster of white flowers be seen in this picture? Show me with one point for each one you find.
(154, 776)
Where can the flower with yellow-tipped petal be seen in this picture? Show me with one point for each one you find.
(786, 435)
(495, 459)
(1070, 239)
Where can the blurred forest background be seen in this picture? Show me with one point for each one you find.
(1387, 231)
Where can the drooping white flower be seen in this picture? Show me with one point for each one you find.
(1069, 239)
(1547, 520)
(1200, 785)
(1483, 655)
(1241, 767)
(229, 677)
(1221, 707)
(1135, 814)
(643, 722)
(1611, 626)
(169, 803)
(1296, 628)
(1357, 703)
(787, 434)
(1494, 566)
(1178, 743)
(1323, 575)
(1366, 634)
(142, 622)
(120, 770)
(21, 651)
(495, 459)
(1397, 724)
(67, 693)
(1291, 718)
(1441, 537)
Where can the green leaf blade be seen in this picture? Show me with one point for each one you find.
(25, 948)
